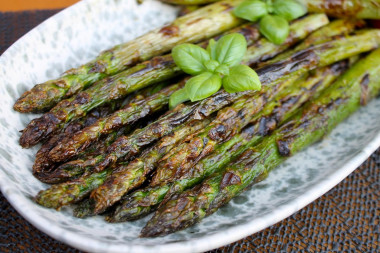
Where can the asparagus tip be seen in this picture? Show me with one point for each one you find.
(155, 230)
(84, 209)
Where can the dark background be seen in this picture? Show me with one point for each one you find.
(345, 219)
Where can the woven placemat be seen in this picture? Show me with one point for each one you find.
(346, 219)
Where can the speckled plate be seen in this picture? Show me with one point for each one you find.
(78, 34)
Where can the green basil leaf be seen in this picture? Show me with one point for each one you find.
(241, 78)
(190, 58)
(203, 86)
(223, 69)
(230, 49)
(251, 10)
(211, 65)
(211, 49)
(289, 9)
(274, 28)
(178, 97)
(269, 6)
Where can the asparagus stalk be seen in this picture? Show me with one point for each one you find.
(143, 201)
(115, 87)
(135, 172)
(43, 164)
(76, 168)
(132, 175)
(329, 32)
(73, 169)
(142, 75)
(71, 192)
(85, 163)
(263, 49)
(229, 121)
(138, 170)
(131, 113)
(317, 119)
(366, 9)
(115, 188)
(318, 56)
(66, 150)
(127, 146)
(196, 26)
(125, 116)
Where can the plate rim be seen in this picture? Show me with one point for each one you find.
(208, 242)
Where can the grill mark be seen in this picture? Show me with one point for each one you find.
(98, 67)
(170, 31)
(274, 71)
(230, 178)
(364, 86)
(284, 145)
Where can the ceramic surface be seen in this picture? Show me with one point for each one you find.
(75, 36)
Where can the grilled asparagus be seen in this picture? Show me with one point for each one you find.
(318, 56)
(318, 118)
(196, 26)
(366, 9)
(274, 113)
(156, 70)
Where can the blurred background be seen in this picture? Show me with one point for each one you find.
(17, 17)
(23, 5)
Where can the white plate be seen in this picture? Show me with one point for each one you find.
(78, 34)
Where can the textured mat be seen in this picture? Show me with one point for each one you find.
(346, 219)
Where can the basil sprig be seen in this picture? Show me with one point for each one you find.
(273, 16)
(213, 68)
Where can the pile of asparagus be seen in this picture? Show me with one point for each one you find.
(111, 145)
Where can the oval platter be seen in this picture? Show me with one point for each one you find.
(78, 34)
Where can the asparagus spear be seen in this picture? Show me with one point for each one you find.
(55, 191)
(81, 140)
(329, 32)
(71, 192)
(263, 49)
(317, 119)
(76, 168)
(115, 188)
(196, 26)
(130, 145)
(115, 87)
(43, 164)
(74, 191)
(274, 113)
(125, 116)
(229, 121)
(142, 75)
(132, 175)
(366, 9)
(318, 56)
